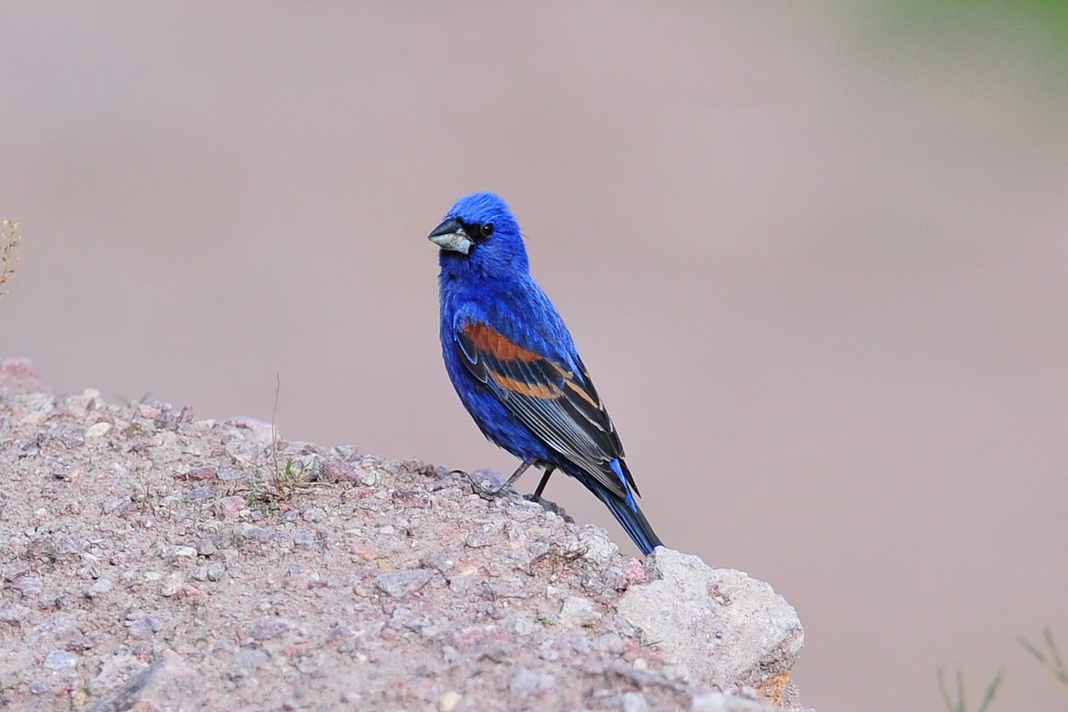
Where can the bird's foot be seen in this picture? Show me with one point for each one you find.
(549, 506)
(482, 485)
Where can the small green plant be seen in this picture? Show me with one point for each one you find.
(276, 484)
(959, 704)
(9, 241)
(282, 480)
(1051, 661)
(288, 478)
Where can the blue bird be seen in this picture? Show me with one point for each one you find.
(515, 367)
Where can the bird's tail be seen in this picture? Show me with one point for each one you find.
(637, 526)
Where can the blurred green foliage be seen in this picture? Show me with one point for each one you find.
(1040, 26)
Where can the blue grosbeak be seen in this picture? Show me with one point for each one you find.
(515, 367)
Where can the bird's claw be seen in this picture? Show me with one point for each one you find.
(481, 486)
(549, 506)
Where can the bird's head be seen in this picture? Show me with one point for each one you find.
(480, 232)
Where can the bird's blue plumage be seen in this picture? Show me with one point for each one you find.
(514, 364)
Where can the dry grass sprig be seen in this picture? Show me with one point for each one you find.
(9, 240)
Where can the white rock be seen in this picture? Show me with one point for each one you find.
(577, 610)
(721, 624)
(716, 701)
(449, 701)
(97, 430)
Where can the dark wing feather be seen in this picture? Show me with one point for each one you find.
(559, 405)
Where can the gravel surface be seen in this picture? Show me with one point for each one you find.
(153, 561)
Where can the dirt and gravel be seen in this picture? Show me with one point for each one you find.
(150, 560)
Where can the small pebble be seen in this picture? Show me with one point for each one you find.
(27, 586)
(171, 585)
(99, 588)
(197, 474)
(369, 478)
(482, 536)
(679, 673)
(114, 504)
(13, 614)
(524, 626)
(16, 571)
(577, 610)
(257, 533)
(145, 626)
(400, 583)
(269, 629)
(634, 702)
(526, 683)
(229, 507)
(449, 701)
(60, 660)
(314, 514)
(97, 430)
(708, 701)
(337, 471)
(70, 544)
(580, 645)
(245, 662)
(71, 437)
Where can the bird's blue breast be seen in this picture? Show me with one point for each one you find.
(510, 307)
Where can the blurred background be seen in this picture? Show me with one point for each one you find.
(815, 256)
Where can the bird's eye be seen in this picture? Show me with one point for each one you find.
(486, 230)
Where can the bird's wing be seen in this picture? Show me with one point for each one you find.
(555, 401)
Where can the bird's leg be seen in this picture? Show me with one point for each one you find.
(546, 504)
(516, 475)
(544, 481)
(487, 493)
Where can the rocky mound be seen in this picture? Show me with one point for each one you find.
(153, 561)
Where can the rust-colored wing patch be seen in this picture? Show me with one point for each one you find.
(524, 388)
(485, 338)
